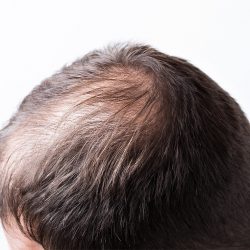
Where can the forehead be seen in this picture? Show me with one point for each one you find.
(17, 240)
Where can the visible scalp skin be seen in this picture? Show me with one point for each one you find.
(128, 148)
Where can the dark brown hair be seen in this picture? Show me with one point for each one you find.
(128, 148)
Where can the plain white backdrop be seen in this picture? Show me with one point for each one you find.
(37, 38)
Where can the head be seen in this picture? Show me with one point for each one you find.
(126, 148)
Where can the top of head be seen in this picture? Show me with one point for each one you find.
(103, 153)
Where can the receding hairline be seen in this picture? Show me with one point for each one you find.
(121, 92)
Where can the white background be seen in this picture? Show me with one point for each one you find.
(38, 37)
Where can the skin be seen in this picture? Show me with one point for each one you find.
(18, 241)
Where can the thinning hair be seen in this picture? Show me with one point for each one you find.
(127, 148)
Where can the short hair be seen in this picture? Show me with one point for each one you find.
(127, 148)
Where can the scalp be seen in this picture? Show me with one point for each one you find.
(110, 152)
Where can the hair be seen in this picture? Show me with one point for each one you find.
(128, 148)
